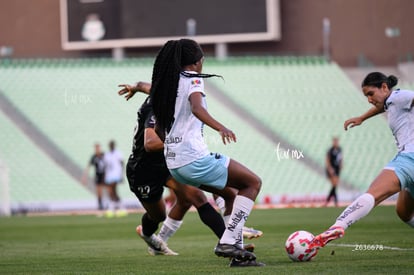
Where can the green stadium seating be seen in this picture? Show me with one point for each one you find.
(302, 100)
(33, 177)
(306, 104)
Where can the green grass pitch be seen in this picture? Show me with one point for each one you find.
(92, 245)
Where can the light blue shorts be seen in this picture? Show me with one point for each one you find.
(403, 166)
(210, 170)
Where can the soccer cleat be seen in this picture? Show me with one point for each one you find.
(233, 251)
(246, 263)
(109, 214)
(249, 247)
(156, 246)
(121, 213)
(250, 233)
(331, 234)
(166, 252)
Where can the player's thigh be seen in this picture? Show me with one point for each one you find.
(186, 193)
(384, 186)
(239, 176)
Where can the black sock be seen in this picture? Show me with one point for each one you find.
(100, 205)
(148, 226)
(334, 195)
(210, 217)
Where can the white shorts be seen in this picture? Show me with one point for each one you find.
(113, 179)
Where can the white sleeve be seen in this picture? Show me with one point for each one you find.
(405, 99)
(196, 85)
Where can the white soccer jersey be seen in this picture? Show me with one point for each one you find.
(401, 118)
(185, 143)
(113, 166)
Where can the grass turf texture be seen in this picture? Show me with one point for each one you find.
(92, 245)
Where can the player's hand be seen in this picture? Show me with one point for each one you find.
(227, 135)
(352, 122)
(127, 90)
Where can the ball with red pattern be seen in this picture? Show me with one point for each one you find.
(297, 246)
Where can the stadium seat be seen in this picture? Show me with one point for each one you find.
(301, 100)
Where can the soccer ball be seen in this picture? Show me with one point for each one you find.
(297, 246)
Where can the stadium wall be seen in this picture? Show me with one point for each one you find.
(358, 31)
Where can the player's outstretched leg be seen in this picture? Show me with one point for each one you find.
(358, 209)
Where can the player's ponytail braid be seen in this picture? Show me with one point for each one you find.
(164, 86)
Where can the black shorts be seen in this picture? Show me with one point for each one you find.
(99, 178)
(147, 181)
(337, 170)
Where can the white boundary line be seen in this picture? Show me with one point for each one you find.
(375, 247)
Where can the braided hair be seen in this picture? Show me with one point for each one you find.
(168, 66)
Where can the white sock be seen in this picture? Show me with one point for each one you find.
(241, 209)
(226, 219)
(111, 206)
(358, 209)
(221, 204)
(169, 227)
(411, 222)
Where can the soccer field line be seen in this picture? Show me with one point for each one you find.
(371, 247)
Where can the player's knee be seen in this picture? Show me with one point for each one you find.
(184, 204)
(257, 183)
(191, 196)
(161, 217)
(255, 186)
(198, 199)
